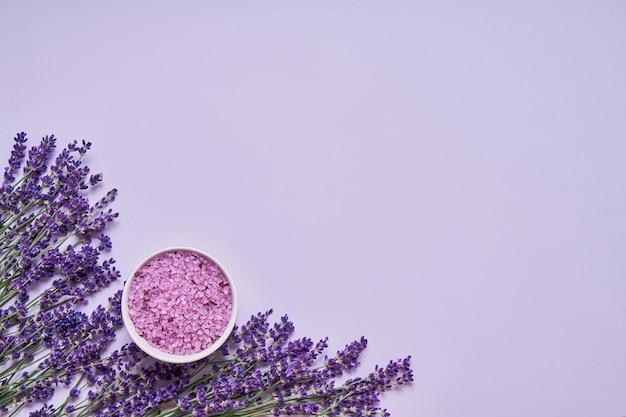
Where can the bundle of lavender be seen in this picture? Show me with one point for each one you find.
(261, 371)
(51, 242)
(49, 268)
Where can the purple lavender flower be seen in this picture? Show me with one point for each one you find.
(45, 411)
(17, 156)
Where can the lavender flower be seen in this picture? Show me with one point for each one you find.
(17, 156)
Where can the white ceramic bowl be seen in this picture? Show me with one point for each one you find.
(169, 357)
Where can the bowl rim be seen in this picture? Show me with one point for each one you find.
(170, 357)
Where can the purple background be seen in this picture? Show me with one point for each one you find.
(446, 179)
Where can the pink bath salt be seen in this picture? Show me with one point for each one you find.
(180, 302)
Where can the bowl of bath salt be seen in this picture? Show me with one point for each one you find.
(179, 304)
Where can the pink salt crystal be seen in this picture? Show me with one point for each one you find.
(175, 294)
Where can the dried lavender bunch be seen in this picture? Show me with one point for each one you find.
(260, 371)
(51, 242)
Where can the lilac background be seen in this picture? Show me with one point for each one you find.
(446, 179)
